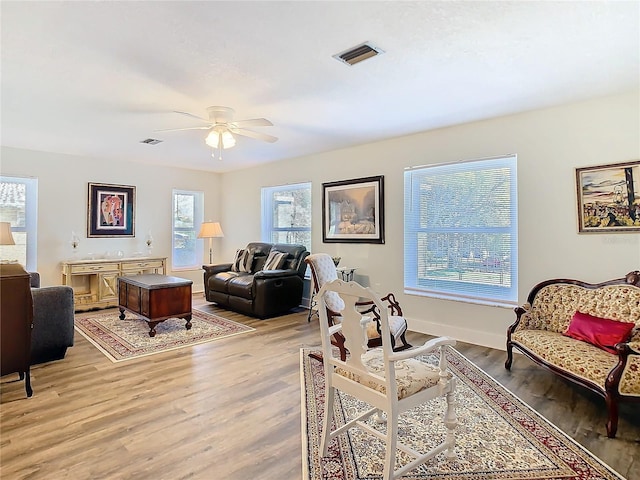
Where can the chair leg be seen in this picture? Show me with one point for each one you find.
(338, 341)
(390, 454)
(317, 356)
(380, 417)
(328, 416)
(451, 422)
(612, 422)
(509, 360)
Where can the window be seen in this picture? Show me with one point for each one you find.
(188, 213)
(286, 214)
(19, 206)
(461, 231)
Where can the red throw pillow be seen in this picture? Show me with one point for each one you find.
(601, 332)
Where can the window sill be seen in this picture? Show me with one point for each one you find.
(489, 302)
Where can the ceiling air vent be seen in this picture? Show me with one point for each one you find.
(151, 141)
(358, 53)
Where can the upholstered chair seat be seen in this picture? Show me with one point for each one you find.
(411, 375)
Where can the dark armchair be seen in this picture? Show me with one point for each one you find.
(246, 286)
(53, 320)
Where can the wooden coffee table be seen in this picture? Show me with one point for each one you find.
(156, 298)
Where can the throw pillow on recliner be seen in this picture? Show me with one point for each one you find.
(242, 261)
(275, 260)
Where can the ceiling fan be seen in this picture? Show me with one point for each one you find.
(222, 128)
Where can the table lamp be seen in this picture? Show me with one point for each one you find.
(6, 237)
(210, 230)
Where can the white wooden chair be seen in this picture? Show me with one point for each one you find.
(323, 270)
(368, 374)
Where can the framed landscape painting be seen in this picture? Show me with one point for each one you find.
(111, 210)
(609, 198)
(353, 211)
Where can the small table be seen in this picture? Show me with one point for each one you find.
(156, 298)
(346, 273)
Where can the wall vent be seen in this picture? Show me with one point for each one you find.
(358, 53)
(151, 141)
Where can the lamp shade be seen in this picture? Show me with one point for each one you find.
(6, 237)
(210, 230)
(217, 135)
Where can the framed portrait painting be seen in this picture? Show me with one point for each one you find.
(111, 210)
(609, 198)
(353, 211)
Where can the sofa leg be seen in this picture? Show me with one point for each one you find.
(509, 361)
(612, 423)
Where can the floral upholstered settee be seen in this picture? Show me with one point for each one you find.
(547, 329)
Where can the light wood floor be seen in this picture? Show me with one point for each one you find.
(229, 409)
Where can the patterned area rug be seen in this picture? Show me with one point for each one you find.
(498, 436)
(126, 339)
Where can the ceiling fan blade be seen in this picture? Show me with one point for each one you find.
(252, 134)
(180, 129)
(253, 122)
(193, 116)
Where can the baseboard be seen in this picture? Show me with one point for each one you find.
(475, 337)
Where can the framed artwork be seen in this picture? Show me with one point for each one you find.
(609, 198)
(353, 211)
(111, 210)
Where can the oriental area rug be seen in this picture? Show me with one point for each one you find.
(498, 436)
(127, 339)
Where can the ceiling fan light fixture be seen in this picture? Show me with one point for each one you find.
(219, 135)
(228, 140)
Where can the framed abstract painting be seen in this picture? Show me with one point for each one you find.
(111, 210)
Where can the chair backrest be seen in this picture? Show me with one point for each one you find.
(323, 270)
(353, 327)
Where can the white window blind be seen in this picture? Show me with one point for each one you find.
(461, 231)
(188, 214)
(286, 214)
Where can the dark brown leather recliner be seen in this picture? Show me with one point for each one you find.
(259, 293)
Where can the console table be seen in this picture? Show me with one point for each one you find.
(95, 282)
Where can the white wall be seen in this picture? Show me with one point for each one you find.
(62, 205)
(550, 144)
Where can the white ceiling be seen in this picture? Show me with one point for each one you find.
(96, 78)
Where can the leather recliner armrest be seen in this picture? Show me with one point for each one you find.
(265, 274)
(213, 269)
